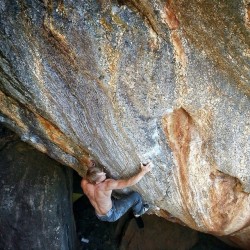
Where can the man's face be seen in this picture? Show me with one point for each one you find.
(102, 176)
(91, 163)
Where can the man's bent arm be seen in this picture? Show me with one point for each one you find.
(120, 184)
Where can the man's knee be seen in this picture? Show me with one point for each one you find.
(136, 196)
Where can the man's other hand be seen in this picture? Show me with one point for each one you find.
(146, 168)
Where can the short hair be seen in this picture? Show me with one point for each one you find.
(92, 174)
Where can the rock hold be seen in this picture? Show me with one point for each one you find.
(136, 80)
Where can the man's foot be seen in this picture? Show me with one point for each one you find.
(139, 222)
(143, 211)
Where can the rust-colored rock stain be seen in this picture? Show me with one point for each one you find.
(8, 107)
(228, 204)
(59, 42)
(13, 110)
(226, 198)
(177, 127)
(146, 11)
(56, 136)
(179, 49)
(247, 14)
(171, 18)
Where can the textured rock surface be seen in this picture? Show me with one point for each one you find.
(35, 199)
(158, 234)
(130, 81)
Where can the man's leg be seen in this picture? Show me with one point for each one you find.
(122, 205)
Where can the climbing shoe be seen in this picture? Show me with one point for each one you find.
(139, 222)
(143, 211)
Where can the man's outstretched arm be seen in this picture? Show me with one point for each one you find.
(111, 184)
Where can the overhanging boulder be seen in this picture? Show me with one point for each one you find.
(136, 81)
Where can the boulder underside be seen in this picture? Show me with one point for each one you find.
(132, 81)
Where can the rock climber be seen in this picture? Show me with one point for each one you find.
(99, 191)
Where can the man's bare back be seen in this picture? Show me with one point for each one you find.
(99, 198)
(99, 193)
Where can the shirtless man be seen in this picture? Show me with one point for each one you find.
(99, 190)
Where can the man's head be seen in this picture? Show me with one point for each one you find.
(95, 175)
(90, 162)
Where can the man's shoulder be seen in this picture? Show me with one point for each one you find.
(108, 181)
(83, 181)
(109, 185)
(85, 184)
(104, 184)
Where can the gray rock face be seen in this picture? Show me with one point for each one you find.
(35, 200)
(132, 81)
